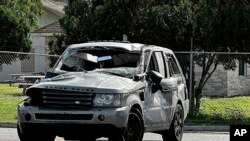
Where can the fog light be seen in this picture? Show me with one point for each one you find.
(27, 117)
(101, 117)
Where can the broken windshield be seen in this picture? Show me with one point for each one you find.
(111, 60)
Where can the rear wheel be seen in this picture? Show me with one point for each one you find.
(29, 134)
(134, 130)
(175, 132)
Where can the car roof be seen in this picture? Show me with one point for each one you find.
(126, 46)
(122, 45)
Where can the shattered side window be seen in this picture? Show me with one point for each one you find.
(161, 63)
(172, 66)
(146, 58)
(153, 65)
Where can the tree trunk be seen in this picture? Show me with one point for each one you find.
(208, 63)
(198, 92)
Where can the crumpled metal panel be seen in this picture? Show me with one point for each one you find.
(155, 106)
(95, 81)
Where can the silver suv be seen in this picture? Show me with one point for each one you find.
(107, 89)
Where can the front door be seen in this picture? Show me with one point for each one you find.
(156, 106)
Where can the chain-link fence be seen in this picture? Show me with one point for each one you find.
(24, 63)
(220, 85)
(219, 81)
(13, 64)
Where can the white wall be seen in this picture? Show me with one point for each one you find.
(48, 18)
(38, 43)
(217, 83)
(14, 67)
(238, 84)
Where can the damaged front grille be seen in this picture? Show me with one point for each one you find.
(66, 99)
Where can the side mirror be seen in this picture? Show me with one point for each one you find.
(170, 82)
(156, 77)
(138, 77)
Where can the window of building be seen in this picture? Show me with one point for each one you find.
(242, 67)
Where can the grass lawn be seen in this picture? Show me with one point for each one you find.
(9, 99)
(231, 110)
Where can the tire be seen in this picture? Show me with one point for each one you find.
(134, 130)
(175, 132)
(28, 134)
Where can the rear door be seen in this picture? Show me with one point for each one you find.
(179, 90)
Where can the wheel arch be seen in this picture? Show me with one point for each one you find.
(180, 102)
(174, 108)
(136, 106)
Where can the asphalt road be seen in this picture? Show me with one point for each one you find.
(10, 134)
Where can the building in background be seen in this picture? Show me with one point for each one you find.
(49, 27)
(53, 11)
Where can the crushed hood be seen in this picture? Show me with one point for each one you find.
(90, 82)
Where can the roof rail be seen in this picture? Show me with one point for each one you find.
(118, 41)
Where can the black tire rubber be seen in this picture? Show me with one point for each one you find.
(26, 134)
(134, 130)
(175, 132)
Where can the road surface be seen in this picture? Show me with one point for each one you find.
(10, 134)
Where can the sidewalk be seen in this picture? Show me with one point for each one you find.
(194, 128)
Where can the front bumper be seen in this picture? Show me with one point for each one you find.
(116, 117)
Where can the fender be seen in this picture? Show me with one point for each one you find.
(132, 100)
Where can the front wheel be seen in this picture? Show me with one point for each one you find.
(134, 130)
(175, 132)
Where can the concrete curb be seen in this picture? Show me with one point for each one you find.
(192, 128)
(210, 128)
(8, 125)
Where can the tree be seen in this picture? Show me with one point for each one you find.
(220, 26)
(17, 18)
(164, 23)
(214, 25)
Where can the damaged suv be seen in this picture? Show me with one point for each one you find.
(107, 89)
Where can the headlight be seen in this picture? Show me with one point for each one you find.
(107, 100)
